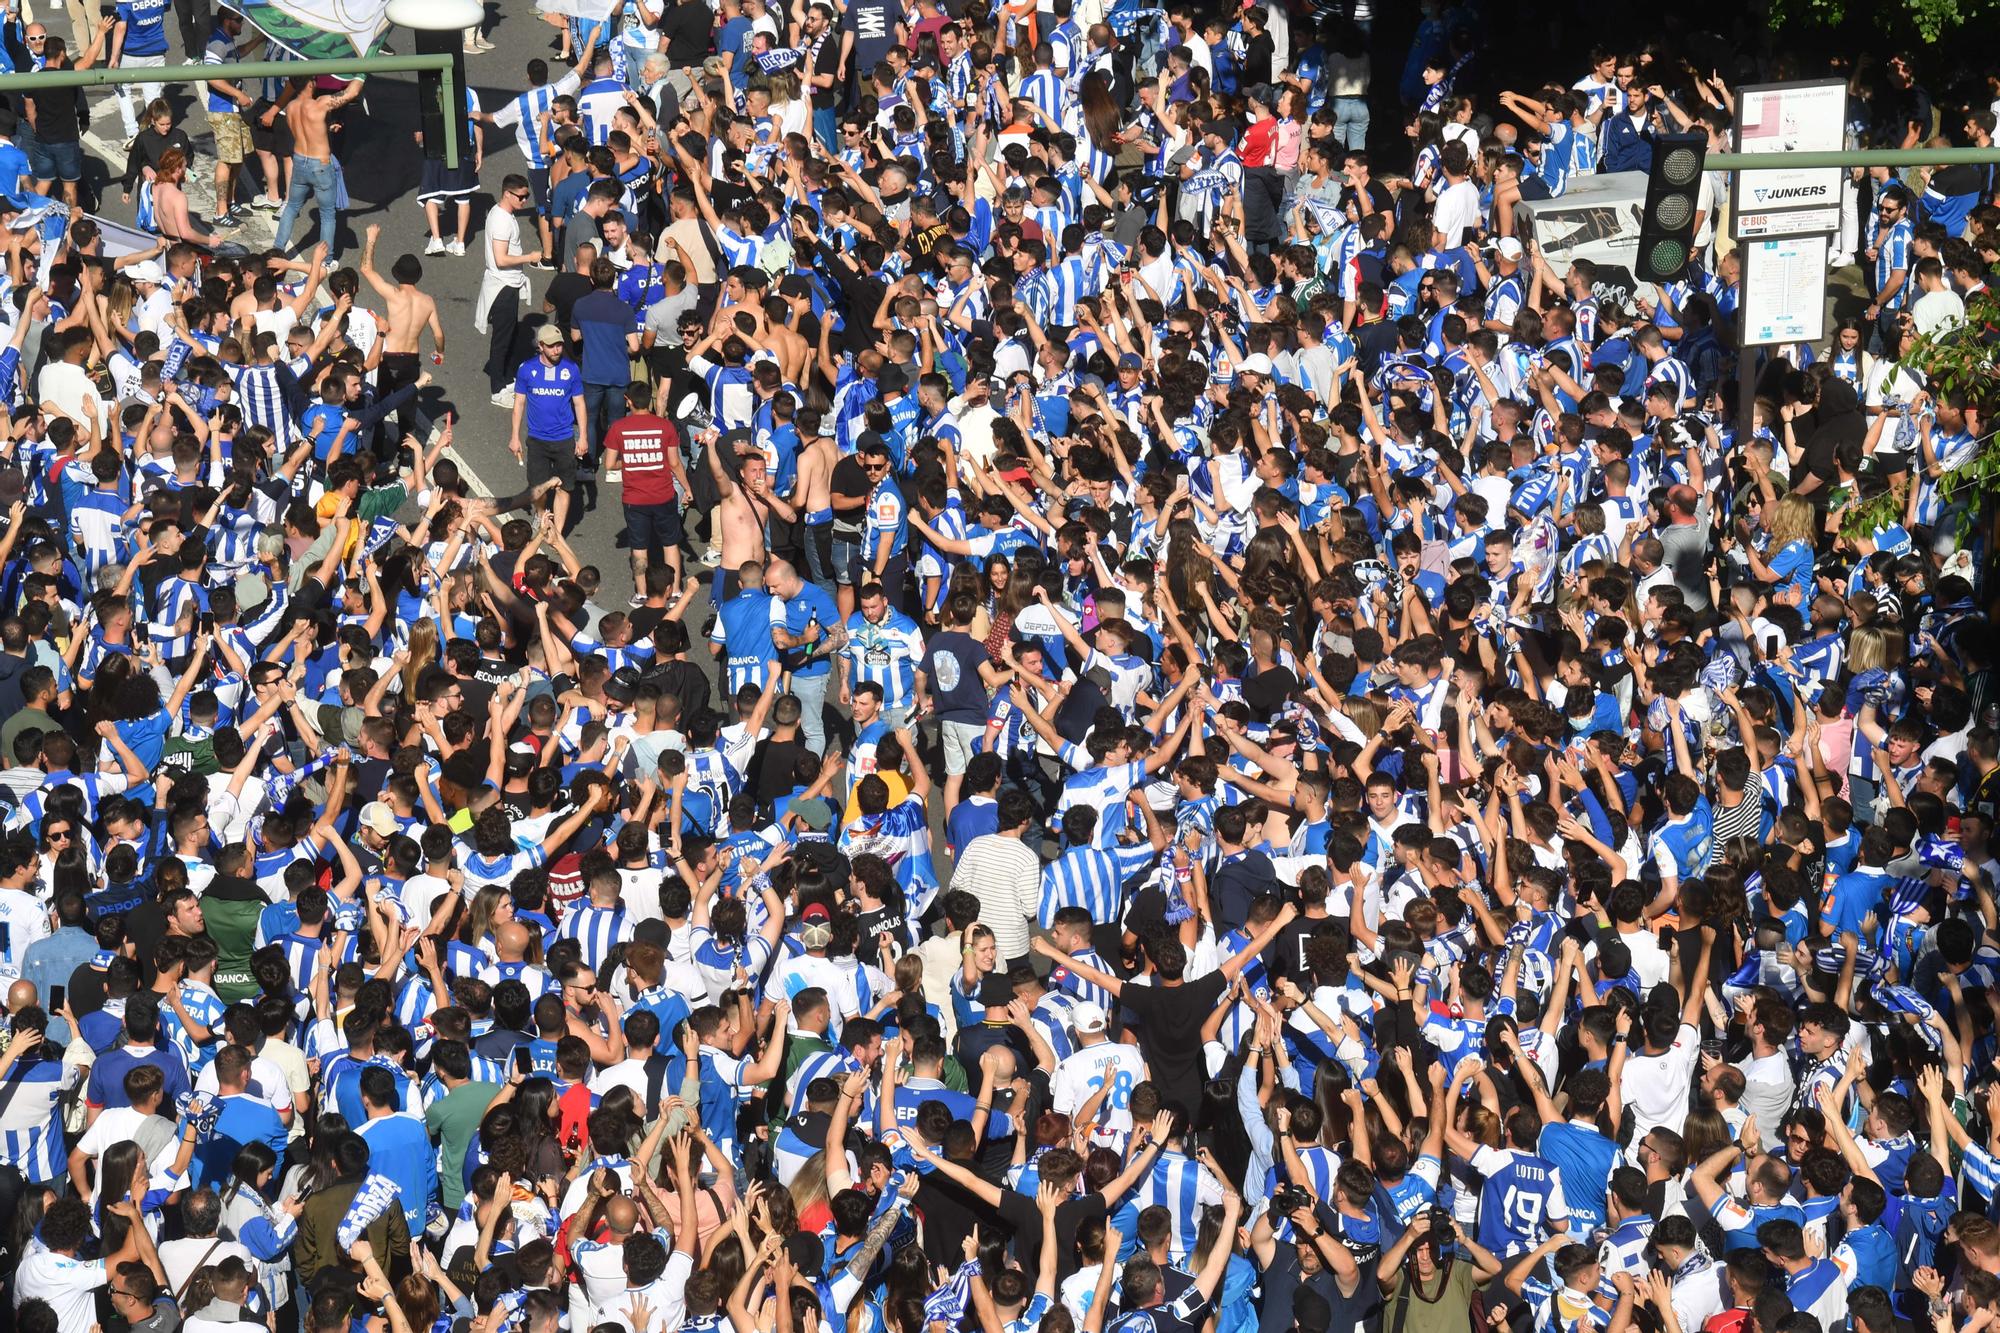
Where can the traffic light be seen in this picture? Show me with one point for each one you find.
(1673, 195)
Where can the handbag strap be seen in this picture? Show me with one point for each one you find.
(181, 1293)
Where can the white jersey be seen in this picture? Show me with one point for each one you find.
(22, 922)
(1087, 1069)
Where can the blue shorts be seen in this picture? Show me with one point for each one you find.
(55, 161)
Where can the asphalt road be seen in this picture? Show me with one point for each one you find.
(382, 163)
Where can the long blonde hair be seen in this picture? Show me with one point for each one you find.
(808, 1187)
(1791, 521)
(423, 649)
(1867, 649)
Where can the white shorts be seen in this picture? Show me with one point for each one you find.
(958, 739)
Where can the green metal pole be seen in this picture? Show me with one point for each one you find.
(1866, 157)
(248, 69)
(449, 113)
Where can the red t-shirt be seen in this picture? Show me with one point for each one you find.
(1259, 142)
(644, 442)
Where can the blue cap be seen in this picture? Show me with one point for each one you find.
(1131, 361)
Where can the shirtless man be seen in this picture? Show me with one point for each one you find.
(746, 502)
(814, 493)
(411, 311)
(313, 171)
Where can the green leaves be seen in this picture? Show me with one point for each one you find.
(1957, 360)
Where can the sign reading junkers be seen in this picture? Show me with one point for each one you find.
(1789, 118)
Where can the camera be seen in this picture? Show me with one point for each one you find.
(1288, 1199)
(1443, 1233)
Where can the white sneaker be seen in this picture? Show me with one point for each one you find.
(455, 248)
(638, 600)
(435, 246)
(505, 398)
(711, 557)
(1839, 261)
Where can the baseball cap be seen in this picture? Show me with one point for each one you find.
(1088, 1017)
(379, 819)
(548, 336)
(147, 271)
(1508, 247)
(1254, 364)
(815, 926)
(1131, 361)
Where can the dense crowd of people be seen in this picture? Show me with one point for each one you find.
(1208, 737)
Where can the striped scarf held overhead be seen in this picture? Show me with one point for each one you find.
(947, 1304)
(377, 1195)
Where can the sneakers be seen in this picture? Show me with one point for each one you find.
(1839, 261)
(504, 398)
(435, 246)
(638, 600)
(545, 265)
(263, 204)
(455, 248)
(711, 557)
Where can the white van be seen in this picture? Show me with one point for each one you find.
(1596, 218)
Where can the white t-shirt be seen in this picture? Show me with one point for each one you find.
(268, 1084)
(1088, 1068)
(1457, 212)
(182, 1257)
(68, 1284)
(1655, 1087)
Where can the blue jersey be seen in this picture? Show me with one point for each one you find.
(145, 23)
(743, 628)
(1521, 1197)
(1584, 1157)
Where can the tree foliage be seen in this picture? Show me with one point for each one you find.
(1961, 359)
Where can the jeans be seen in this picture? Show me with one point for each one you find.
(826, 127)
(503, 320)
(811, 691)
(310, 176)
(1350, 121)
(819, 555)
(602, 405)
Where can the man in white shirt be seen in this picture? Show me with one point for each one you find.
(1652, 1081)
(1456, 219)
(1098, 1062)
(201, 1214)
(69, 1284)
(1005, 875)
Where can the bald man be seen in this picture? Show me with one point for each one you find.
(601, 1263)
(807, 631)
(511, 943)
(20, 995)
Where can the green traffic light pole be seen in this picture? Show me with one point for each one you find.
(440, 64)
(1859, 157)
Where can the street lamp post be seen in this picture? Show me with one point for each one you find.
(440, 26)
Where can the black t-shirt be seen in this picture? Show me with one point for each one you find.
(1257, 54)
(565, 290)
(686, 27)
(1171, 1036)
(771, 769)
(57, 117)
(849, 480)
(1267, 691)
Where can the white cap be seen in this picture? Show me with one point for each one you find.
(1508, 248)
(148, 270)
(1088, 1017)
(378, 817)
(1254, 364)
